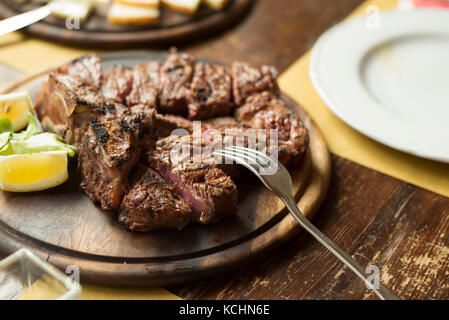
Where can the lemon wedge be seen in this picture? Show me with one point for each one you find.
(15, 107)
(33, 172)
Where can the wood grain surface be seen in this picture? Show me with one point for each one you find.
(64, 227)
(172, 28)
(402, 229)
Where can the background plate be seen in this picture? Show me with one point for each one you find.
(172, 28)
(64, 227)
(388, 77)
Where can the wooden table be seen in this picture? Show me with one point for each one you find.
(380, 220)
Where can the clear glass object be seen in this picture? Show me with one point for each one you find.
(23, 276)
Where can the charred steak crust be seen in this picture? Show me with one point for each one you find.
(108, 152)
(176, 76)
(266, 111)
(210, 94)
(153, 204)
(248, 79)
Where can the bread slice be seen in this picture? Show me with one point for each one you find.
(184, 6)
(125, 14)
(140, 3)
(216, 4)
(71, 9)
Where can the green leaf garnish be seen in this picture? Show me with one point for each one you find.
(31, 130)
(4, 138)
(32, 140)
(5, 125)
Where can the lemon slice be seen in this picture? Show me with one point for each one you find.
(33, 172)
(15, 107)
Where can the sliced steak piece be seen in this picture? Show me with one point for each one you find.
(86, 69)
(176, 76)
(109, 150)
(145, 87)
(153, 204)
(71, 97)
(155, 125)
(248, 79)
(210, 94)
(210, 193)
(175, 122)
(219, 122)
(117, 83)
(266, 111)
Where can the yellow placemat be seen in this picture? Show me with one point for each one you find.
(348, 143)
(30, 54)
(104, 293)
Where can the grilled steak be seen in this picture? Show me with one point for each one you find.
(109, 150)
(248, 79)
(220, 122)
(175, 122)
(153, 204)
(117, 83)
(87, 70)
(176, 76)
(210, 193)
(71, 98)
(145, 87)
(124, 122)
(156, 124)
(210, 93)
(265, 111)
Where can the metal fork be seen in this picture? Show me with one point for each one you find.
(280, 183)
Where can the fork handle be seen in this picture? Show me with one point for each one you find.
(382, 291)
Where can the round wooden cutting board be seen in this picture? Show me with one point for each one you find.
(64, 227)
(171, 29)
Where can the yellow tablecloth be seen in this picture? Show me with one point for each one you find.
(29, 55)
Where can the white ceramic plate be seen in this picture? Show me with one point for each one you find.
(391, 83)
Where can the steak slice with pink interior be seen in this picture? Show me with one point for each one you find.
(210, 193)
(152, 204)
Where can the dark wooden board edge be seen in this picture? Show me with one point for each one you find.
(144, 273)
(184, 33)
